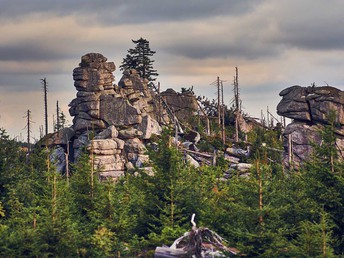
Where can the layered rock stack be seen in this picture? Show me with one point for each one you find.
(112, 121)
(309, 107)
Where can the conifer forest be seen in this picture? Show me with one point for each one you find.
(271, 212)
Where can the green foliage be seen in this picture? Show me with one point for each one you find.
(138, 58)
(314, 239)
(265, 214)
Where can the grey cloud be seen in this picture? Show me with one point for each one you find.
(241, 48)
(309, 25)
(128, 12)
(33, 52)
(20, 83)
(313, 36)
(32, 82)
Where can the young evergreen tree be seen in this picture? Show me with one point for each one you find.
(325, 184)
(139, 58)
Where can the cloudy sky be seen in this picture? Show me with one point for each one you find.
(275, 44)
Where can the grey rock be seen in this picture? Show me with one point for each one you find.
(312, 103)
(184, 105)
(102, 144)
(86, 106)
(118, 112)
(310, 108)
(134, 146)
(129, 133)
(61, 137)
(149, 127)
(58, 158)
(109, 133)
(88, 125)
(191, 161)
(111, 175)
(80, 141)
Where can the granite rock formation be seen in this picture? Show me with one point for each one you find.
(309, 107)
(112, 121)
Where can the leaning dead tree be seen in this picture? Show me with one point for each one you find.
(170, 112)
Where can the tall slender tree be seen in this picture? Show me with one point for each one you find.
(139, 58)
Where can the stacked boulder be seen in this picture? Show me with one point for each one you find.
(112, 122)
(310, 109)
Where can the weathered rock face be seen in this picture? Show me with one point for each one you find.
(184, 105)
(312, 104)
(136, 91)
(114, 122)
(310, 108)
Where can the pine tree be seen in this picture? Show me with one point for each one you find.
(138, 58)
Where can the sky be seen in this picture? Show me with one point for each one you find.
(274, 44)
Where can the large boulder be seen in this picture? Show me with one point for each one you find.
(311, 108)
(312, 103)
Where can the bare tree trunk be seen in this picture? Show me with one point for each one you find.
(206, 117)
(67, 162)
(28, 127)
(218, 102)
(45, 88)
(290, 151)
(223, 116)
(92, 170)
(54, 195)
(260, 191)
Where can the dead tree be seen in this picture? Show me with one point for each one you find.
(28, 128)
(218, 101)
(45, 89)
(237, 104)
(205, 116)
(223, 116)
(220, 107)
(58, 125)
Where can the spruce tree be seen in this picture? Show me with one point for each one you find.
(138, 58)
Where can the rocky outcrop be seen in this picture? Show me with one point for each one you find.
(310, 109)
(112, 121)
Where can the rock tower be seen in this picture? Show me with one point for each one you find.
(112, 121)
